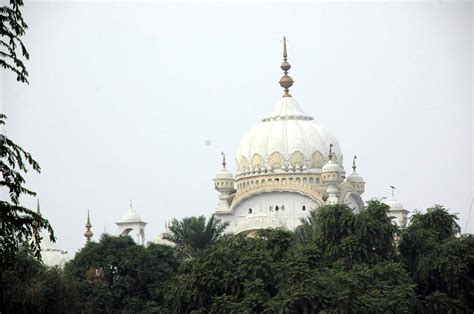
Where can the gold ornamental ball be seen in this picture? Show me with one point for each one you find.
(285, 66)
(286, 81)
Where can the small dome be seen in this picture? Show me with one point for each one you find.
(131, 216)
(162, 241)
(224, 174)
(394, 204)
(256, 221)
(355, 177)
(331, 166)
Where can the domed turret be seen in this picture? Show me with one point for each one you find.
(224, 184)
(331, 172)
(355, 179)
(397, 212)
(332, 175)
(131, 224)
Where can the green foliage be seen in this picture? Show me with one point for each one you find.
(349, 238)
(192, 234)
(344, 263)
(12, 27)
(19, 225)
(440, 261)
(219, 278)
(30, 287)
(116, 274)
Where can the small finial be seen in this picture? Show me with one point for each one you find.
(223, 159)
(354, 163)
(330, 151)
(393, 189)
(286, 81)
(88, 234)
(131, 204)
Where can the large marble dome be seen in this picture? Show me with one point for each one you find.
(287, 140)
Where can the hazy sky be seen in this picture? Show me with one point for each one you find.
(123, 97)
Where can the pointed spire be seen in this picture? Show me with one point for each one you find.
(286, 81)
(88, 234)
(131, 204)
(38, 211)
(330, 151)
(223, 159)
(354, 163)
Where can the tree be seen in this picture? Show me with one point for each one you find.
(440, 260)
(192, 234)
(236, 274)
(17, 223)
(12, 28)
(349, 238)
(118, 275)
(31, 287)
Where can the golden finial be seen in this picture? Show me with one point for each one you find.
(223, 159)
(88, 234)
(286, 81)
(330, 151)
(354, 163)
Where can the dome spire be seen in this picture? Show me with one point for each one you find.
(393, 189)
(330, 151)
(223, 160)
(286, 81)
(88, 234)
(354, 163)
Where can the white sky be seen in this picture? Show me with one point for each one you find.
(123, 96)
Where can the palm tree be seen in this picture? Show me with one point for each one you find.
(192, 234)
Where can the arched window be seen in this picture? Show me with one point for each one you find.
(277, 208)
(250, 210)
(304, 208)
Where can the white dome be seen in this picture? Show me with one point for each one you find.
(162, 241)
(50, 255)
(394, 204)
(224, 174)
(291, 133)
(331, 166)
(355, 177)
(130, 216)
